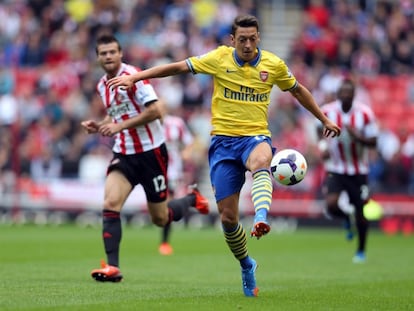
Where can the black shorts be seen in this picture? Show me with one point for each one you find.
(355, 185)
(149, 169)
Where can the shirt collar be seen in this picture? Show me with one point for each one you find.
(120, 70)
(253, 62)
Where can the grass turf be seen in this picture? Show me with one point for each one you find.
(47, 268)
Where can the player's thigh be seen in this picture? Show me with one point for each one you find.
(117, 190)
(358, 190)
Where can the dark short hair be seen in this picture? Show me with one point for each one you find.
(106, 39)
(244, 21)
(348, 81)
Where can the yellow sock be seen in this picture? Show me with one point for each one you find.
(262, 189)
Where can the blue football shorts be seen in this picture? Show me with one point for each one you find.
(227, 158)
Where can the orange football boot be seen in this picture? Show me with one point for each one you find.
(201, 202)
(107, 273)
(165, 249)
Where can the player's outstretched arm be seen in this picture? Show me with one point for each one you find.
(127, 81)
(306, 99)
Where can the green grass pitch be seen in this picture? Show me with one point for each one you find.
(47, 268)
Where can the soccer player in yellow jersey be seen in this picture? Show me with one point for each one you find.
(243, 78)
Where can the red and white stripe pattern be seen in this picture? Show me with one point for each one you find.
(346, 155)
(177, 136)
(122, 105)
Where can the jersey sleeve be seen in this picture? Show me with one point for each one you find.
(145, 93)
(206, 63)
(285, 80)
(371, 129)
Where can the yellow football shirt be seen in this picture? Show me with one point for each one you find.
(241, 94)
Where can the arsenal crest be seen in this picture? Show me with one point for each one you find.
(264, 75)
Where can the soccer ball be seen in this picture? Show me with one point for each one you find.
(288, 167)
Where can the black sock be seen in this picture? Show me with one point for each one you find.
(179, 207)
(165, 233)
(362, 225)
(112, 234)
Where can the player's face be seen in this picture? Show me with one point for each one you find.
(346, 96)
(110, 57)
(245, 41)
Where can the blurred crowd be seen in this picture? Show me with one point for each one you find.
(48, 74)
(371, 41)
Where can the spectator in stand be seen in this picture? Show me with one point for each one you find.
(343, 58)
(366, 61)
(346, 161)
(34, 50)
(386, 56)
(408, 152)
(319, 12)
(46, 167)
(388, 143)
(396, 175)
(404, 59)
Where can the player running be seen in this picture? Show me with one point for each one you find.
(346, 161)
(243, 76)
(139, 155)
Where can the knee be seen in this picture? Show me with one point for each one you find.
(332, 203)
(111, 205)
(159, 220)
(229, 220)
(160, 217)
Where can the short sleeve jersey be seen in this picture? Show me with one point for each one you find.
(122, 105)
(241, 94)
(346, 155)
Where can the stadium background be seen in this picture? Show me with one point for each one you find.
(51, 172)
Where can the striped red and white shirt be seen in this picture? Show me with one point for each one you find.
(177, 136)
(122, 105)
(346, 155)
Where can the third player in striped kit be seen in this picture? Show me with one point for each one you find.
(346, 160)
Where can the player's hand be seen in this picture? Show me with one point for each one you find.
(110, 129)
(330, 129)
(124, 81)
(90, 126)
